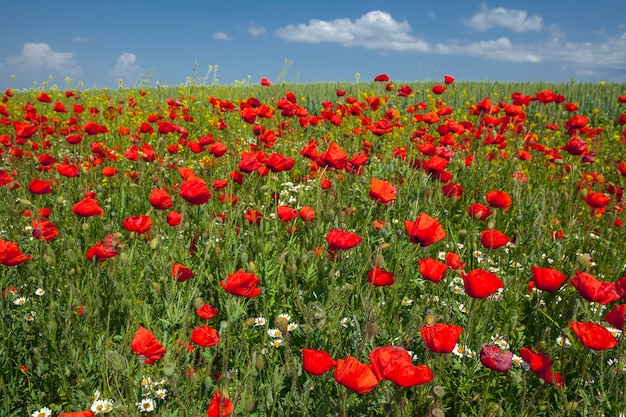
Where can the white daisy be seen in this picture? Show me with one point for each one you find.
(145, 405)
(19, 301)
(43, 412)
(275, 333)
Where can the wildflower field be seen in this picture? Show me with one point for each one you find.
(375, 248)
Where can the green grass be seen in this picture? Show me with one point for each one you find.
(61, 358)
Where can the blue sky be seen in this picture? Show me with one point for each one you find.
(100, 42)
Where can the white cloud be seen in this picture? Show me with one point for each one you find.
(500, 49)
(374, 30)
(255, 30)
(126, 67)
(39, 57)
(516, 20)
(80, 39)
(221, 36)
(380, 31)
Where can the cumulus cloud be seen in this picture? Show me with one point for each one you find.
(221, 36)
(373, 30)
(516, 20)
(255, 30)
(39, 57)
(126, 67)
(378, 30)
(500, 49)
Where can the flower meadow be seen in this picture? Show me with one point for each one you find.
(376, 248)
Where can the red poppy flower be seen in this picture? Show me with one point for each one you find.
(452, 190)
(405, 91)
(355, 375)
(5, 178)
(493, 239)
(479, 283)
(617, 316)
(265, 82)
(181, 273)
(38, 186)
(11, 255)
(575, 146)
(432, 269)
(335, 156)
(597, 200)
(453, 260)
(539, 362)
(44, 230)
(87, 207)
(448, 79)
(205, 336)
(160, 199)
(317, 362)
(104, 249)
(383, 191)
(547, 279)
(499, 199)
(242, 284)
(84, 413)
(438, 89)
(174, 218)
(137, 224)
(219, 406)
(594, 290)
(147, 346)
(24, 130)
(425, 230)
(394, 364)
(441, 337)
(576, 122)
(435, 165)
(340, 239)
(206, 312)
(195, 191)
(380, 278)
(593, 336)
(307, 214)
(279, 163)
(494, 358)
(253, 216)
(383, 78)
(286, 213)
(68, 170)
(44, 98)
(553, 378)
(109, 171)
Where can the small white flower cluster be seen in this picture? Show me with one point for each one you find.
(101, 406)
(151, 390)
(21, 301)
(463, 351)
(499, 341)
(276, 334)
(288, 189)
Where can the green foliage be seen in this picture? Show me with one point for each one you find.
(79, 339)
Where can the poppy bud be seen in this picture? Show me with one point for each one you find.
(117, 361)
(168, 369)
(154, 243)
